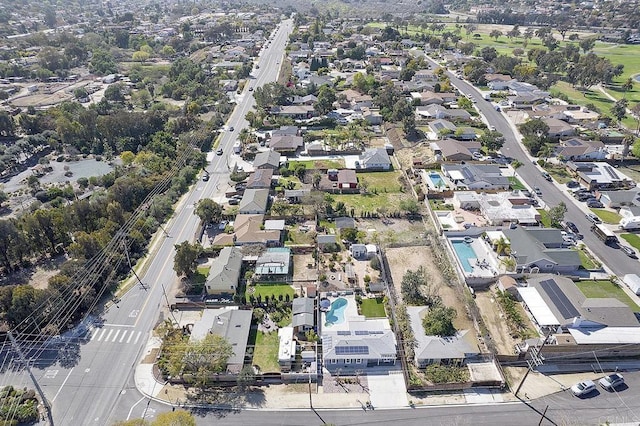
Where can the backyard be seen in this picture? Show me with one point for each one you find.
(270, 290)
(372, 203)
(265, 352)
(317, 164)
(632, 239)
(606, 288)
(373, 308)
(607, 216)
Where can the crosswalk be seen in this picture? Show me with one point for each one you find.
(115, 335)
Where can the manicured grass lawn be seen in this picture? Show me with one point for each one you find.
(269, 290)
(318, 164)
(381, 181)
(607, 216)
(544, 218)
(632, 239)
(371, 202)
(604, 288)
(516, 185)
(439, 205)
(559, 173)
(265, 354)
(284, 181)
(373, 308)
(586, 261)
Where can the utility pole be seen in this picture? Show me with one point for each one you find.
(47, 407)
(126, 252)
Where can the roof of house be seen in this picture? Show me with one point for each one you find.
(285, 130)
(325, 239)
(360, 338)
(247, 229)
(440, 125)
(225, 271)
(274, 261)
(528, 249)
(266, 158)
(345, 222)
(288, 142)
(558, 126)
(261, 178)
(347, 176)
(302, 305)
(254, 200)
(375, 156)
(474, 173)
(451, 148)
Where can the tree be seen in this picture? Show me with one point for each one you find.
(410, 205)
(495, 34)
(619, 109)
(326, 98)
(246, 377)
(635, 148)
(439, 321)
(491, 140)
(502, 247)
(587, 44)
(140, 56)
(349, 234)
(556, 214)
(208, 210)
(535, 133)
(205, 357)
(415, 288)
(185, 259)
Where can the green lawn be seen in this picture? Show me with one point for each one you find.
(373, 308)
(632, 239)
(516, 185)
(607, 216)
(269, 290)
(545, 219)
(381, 181)
(265, 354)
(586, 261)
(605, 288)
(559, 173)
(318, 164)
(439, 204)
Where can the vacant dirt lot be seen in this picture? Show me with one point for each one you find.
(301, 271)
(391, 230)
(497, 326)
(406, 258)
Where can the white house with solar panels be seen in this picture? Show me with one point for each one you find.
(360, 343)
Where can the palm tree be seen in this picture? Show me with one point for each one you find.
(546, 152)
(502, 247)
(509, 263)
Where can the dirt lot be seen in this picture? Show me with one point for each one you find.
(419, 152)
(37, 275)
(301, 271)
(405, 258)
(497, 326)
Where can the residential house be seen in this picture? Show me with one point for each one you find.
(618, 199)
(286, 131)
(224, 274)
(600, 176)
(451, 350)
(498, 81)
(374, 159)
(476, 176)
(576, 114)
(274, 265)
(267, 160)
(303, 310)
(500, 208)
(435, 111)
(286, 143)
(541, 249)
(372, 116)
(451, 150)
(248, 229)
(442, 128)
(558, 128)
(343, 181)
(304, 100)
(326, 242)
(254, 201)
(233, 325)
(345, 222)
(297, 112)
(260, 179)
(576, 149)
(439, 98)
(295, 196)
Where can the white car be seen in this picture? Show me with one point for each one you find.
(611, 381)
(583, 388)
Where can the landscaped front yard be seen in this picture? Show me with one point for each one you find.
(586, 260)
(545, 219)
(373, 308)
(516, 185)
(558, 172)
(632, 239)
(265, 353)
(607, 216)
(605, 288)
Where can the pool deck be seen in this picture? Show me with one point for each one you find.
(350, 311)
(484, 265)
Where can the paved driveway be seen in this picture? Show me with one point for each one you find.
(387, 388)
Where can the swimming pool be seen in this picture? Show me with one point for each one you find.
(336, 314)
(436, 179)
(464, 251)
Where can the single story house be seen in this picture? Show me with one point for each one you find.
(274, 264)
(254, 201)
(541, 249)
(267, 160)
(374, 159)
(303, 310)
(476, 176)
(224, 274)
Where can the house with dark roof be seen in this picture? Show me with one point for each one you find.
(599, 176)
(286, 131)
(451, 150)
(541, 250)
(303, 310)
(618, 199)
(442, 128)
(267, 160)
(286, 143)
(577, 149)
(254, 201)
(558, 128)
(345, 222)
(476, 176)
(260, 179)
(225, 273)
(374, 159)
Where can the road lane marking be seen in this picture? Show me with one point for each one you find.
(119, 325)
(115, 336)
(50, 374)
(137, 338)
(108, 335)
(62, 385)
(104, 330)
(134, 406)
(123, 335)
(130, 336)
(94, 335)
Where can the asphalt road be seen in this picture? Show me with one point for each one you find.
(552, 195)
(93, 382)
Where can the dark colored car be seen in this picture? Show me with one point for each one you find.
(629, 252)
(205, 177)
(572, 184)
(594, 204)
(572, 227)
(547, 176)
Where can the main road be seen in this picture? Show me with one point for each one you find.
(552, 195)
(94, 384)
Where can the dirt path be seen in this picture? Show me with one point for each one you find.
(497, 326)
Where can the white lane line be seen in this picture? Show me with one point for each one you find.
(130, 336)
(119, 325)
(108, 335)
(115, 336)
(123, 335)
(94, 335)
(62, 385)
(137, 338)
(134, 406)
(104, 330)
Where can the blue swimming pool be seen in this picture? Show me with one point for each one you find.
(336, 314)
(464, 251)
(436, 179)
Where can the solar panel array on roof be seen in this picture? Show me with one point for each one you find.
(466, 173)
(352, 350)
(344, 333)
(573, 142)
(612, 173)
(361, 333)
(559, 299)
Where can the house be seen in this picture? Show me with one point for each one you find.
(233, 325)
(297, 112)
(618, 199)
(345, 222)
(372, 116)
(541, 250)
(577, 326)
(274, 264)
(286, 143)
(441, 128)
(600, 176)
(435, 111)
(304, 100)
(326, 242)
(500, 208)
(254, 201)
(498, 81)
(558, 128)
(286, 348)
(476, 176)
(358, 344)
(525, 101)
(508, 284)
(358, 251)
(452, 350)
(303, 310)
(451, 150)
(267, 160)
(576, 149)
(248, 229)
(347, 179)
(260, 179)
(224, 273)
(295, 196)
(286, 131)
(374, 159)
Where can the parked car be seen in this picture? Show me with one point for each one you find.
(547, 176)
(234, 202)
(611, 381)
(593, 218)
(629, 252)
(219, 151)
(537, 191)
(205, 177)
(572, 227)
(526, 193)
(594, 204)
(583, 388)
(572, 184)
(231, 129)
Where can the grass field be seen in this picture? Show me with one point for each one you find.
(605, 288)
(439, 205)
(373, 308)
(559, 173)
(545, 219)
(516, 185)
(381, 181)
(607, 216)
(270, 290)
(318, 164)
(265, 354)
(632, 239)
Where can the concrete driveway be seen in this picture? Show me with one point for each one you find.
(387, 388)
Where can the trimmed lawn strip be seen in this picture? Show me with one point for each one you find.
(373, 308)
(516, 185)
(270, 290)
(607, 216)
(633, 240)
(545, 219)
(586, 261)
(318, 164)
(265, 353)
(605, 288)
